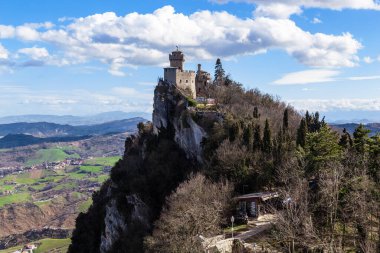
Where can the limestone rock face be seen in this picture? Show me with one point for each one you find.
(171, 113)
(115, 222)
(114, 226)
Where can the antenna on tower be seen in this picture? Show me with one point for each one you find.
(177, 47)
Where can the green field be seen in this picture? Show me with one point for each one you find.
(91, 168)
(14, 198)
(83, 207)
(49, 155)
(46, 246)
(103, 161)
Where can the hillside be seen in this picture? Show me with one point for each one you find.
(44, 187)
(247, 142)
(180, 141)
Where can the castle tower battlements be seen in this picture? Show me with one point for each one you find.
(176, 75)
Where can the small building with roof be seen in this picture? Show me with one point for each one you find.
(256, 204)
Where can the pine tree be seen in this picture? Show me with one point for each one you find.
(361, 139)
(302, 132)
(219, 72)
(345, 140)
(267, 139)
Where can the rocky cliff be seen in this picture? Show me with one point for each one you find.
(170, 108)
(156, 160)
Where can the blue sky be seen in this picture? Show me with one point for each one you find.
(90, 56)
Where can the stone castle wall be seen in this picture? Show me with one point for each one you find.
(184, 80)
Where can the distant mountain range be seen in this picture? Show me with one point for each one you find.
(44, 129)
(75, 120)
(23, 134)
(17, 140)
(350, 127)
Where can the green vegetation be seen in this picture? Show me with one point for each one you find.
(84, 206)
(91, 169)
(58, 245)
(236, 228)
(45, 246)
(192, 102)
(49, 155)
(102, 161)
(14, 198)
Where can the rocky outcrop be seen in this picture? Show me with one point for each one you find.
(155, 161)
(114, 225)
(171, 112)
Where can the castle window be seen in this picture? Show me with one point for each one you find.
(187, 81)
(180, 80)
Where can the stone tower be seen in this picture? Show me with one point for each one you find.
(176, 75)
(177, 59)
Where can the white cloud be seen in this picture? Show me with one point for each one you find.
(368, 59)
(318, 76)
(308, 76)
(290, 7)
(316, 21)
(71, 101)
(276, 10)
(324, 105)
(35, 53)
(361, 78)
(27, 33)
(6, 31)
(145, 39)
(3, 53)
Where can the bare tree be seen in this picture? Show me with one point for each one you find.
(294, 225)
(195, 208)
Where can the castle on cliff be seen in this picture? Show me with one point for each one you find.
(194, 84)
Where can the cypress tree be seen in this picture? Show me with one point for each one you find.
(301, 133)
(234, 131)
(267, 139)
(257, 138)
(256, 112)
(248, 136)
(285, 120)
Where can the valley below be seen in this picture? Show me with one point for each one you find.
(44, 187)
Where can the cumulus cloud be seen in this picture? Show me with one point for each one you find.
(145, 39)
(35, 53)
(3, 53)
(324, 105)
(272, 7)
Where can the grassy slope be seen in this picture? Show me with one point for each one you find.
(49, 155)
(14, 198)
(47, 246)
